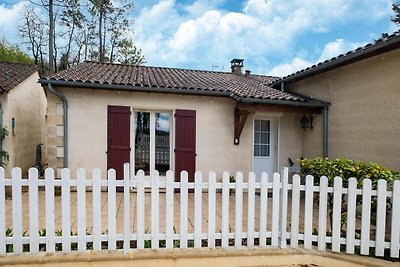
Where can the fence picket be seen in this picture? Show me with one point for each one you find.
(81, 201)
(33, 210)
(225, 211)
(380, 218)
(140, 201)
(197, 209)
(351, 215)
(294, 226)
(275, 209)
(2, 212)
(251, 203)
(284, 207)
(155, 210)
(366, 217)
(112, 231)
(169, 211)
(184, 210)
(127, 209)
(50, 216)
(323, 201)
(211, 209)
(66, 210)
(96, 194)
(263, 209)
(308, 212)
(238, 209)
(337, 213)
(395, 226)
(17, 209)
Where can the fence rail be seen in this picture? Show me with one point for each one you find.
(296, 214)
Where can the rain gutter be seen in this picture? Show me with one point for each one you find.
(65, 121)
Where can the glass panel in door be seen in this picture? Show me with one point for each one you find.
(142, 142)
(162, 144)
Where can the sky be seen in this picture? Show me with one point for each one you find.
(274, 37)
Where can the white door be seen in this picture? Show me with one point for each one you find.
(263, 148)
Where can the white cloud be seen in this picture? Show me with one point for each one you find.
(8, 20)
(201, 34)
(331, 49)
(288, 68)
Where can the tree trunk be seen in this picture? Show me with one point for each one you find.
(101, 54)
(51, 38)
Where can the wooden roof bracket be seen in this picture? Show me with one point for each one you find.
(240, 121)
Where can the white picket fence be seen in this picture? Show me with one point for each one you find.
(289, 226)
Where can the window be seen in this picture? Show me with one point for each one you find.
(152, 142)
(262, 138)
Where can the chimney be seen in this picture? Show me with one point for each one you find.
(247, 73)
(237, 65)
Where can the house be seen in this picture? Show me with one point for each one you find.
(363, 87)
(160, 118)
(22, 114)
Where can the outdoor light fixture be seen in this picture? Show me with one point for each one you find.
(12, 126)
(307, 122)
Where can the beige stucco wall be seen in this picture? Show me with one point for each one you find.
(364, 115)
(27, 104)
(87, 113)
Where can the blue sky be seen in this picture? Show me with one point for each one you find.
(275, 37)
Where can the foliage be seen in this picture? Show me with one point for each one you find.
(12, 53)
(396, 10)
(346, 169)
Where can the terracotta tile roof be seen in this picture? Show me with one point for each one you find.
(96, 75)
(381, 45)
(12, 74)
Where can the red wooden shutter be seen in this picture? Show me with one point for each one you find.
(118, 138)
(185, 143)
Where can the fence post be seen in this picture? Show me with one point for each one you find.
(225, 211)
(155, 207)
(127, 202)
(275, 209)
(251, 203)
(351, 215)
(366, 216)
(17, 209)
(140, 199)
(294, 227)
(66, 209)
(308, 212)
(81, 201)
(337, 213)
(323, 208)
(198, 208)
(112, 231)
(33, 210)
(380, 218)
(96, 194)
(238, 209)
(184, 210)
(283, 209)
(395, 229)
(169, 211)
(263, 209)
(211, 209)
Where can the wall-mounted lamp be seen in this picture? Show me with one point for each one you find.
(307, 122)
(12, 126)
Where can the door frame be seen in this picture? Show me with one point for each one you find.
(274, 119)
(152, 141)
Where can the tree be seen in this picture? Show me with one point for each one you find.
(396, 10)
(32, 30)
(12, 53)
(128, 53)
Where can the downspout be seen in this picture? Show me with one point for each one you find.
(65, 122)
(325, 132)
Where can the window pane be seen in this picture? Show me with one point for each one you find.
(257, 125)
(256, 150)
(264, 150)
(265, 138)
(257, 137)
(142, 142)
(264, 125)
(162, 147)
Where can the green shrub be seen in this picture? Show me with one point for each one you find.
(346, 169)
